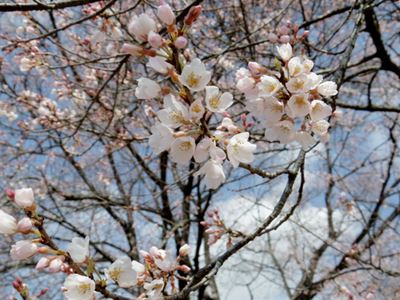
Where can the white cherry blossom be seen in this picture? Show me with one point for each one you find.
(78, 287)
(295, 66)
(196, 110)
(327, 89)
(161, 138)
(182, 150)
(304, 139)
(217, 102)
(285, 51)
(320, 127)
(141, 25)
(240, 149)
(299, 84)
(174, 114)
(195, 76)
(320, 110)
(268, 86)
(214, 174)
(159, 64)
(299, 105)
(282, 131)
(79, 249)
(121, 272)
(147, 89)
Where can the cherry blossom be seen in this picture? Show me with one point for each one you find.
(78, 287)
(195, 76)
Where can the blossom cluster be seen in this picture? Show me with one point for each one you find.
(159, 269)
(288, 97)
(187, 106)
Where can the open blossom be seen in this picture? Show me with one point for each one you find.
(268, 86)
(147, 89)
(299, 84)
(8, 224)
(23, 250)
(165, 262)
(240, 149)
(78, 287)
(174, 114)
(217, 102)
(207, 148)
(79, 249)
(182, 150)
(282, 131)
(295, 66)
(299, 105)
(214, 174)
(304, 139)
(24, 198)
(159, 64)
(320, 110)
(140, 27)
(285, 51)
(121, 271)
(161, 138)
(26, 64)
(195, 76)
(320, 127)
(327, 88)
(154, 289)
(196, 110)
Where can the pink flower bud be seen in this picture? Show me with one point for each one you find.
(193, 14)
(272, 37)
(132, 49)
(283, 30)
(284, 39)
(10, 193)
(23, 249)
(180, 42)
(184, 250)
(155, 40)
(56, 264)
(306, 34)
(183, 268)
(42, 263)
(166, 15)
(24, 198)
(24, 225)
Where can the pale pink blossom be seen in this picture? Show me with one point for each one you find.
(78, 287)
(282, 131)
(140, 26)
(217, 102)
(23, 249)
(195, 76)
(240, 149)
(182, 150)
(8, 224)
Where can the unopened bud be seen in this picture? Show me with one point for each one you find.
(155, 40)
(184, 250)
(193, 14)
(132, 49)
(284, 39)
(24, 225)
(181, 42)
(183, 268)
(42, 263)
(166, 15)
(10, 193)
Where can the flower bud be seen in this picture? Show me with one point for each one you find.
(10, 193)
(166, 15)
(184, 250)
(43, 263)
(23, 250)
(183, 268)
(284, 39)
(8, 224)
(193, 14)
(180, 42)
(56, 264)
(24, 198)
(155, 40)
(272, 37)
(25, 225)
(255, 68)
(132, 49)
